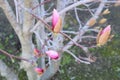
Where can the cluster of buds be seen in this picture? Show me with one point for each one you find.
(50, 53)
(102, 36)
(56, 27)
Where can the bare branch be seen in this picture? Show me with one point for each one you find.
(95, 30)
(76, 58)
(12, 56)
(19, 12)
(70, 7)
(76, 14)
(10, 15)
(7, 72)
(42, 3)
(83, 30)
(75, 43)
(16, 9)
(88, 37)
(70, 32)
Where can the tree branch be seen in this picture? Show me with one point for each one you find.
(7, 72)
(10, 15)
(70, 7)
(83, 30)
(76, 58)
(12, 56)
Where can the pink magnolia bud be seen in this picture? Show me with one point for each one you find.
(56, 22)
(103, 35)
(108, 28)
(55, 18)
(52, 54)
(40, 71)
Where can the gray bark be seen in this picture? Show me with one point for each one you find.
(7, 72)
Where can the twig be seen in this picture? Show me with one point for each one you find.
(76, 58)
(70, 7)
(76, 15)
(70, 32)
(12, 56)
(89, 59)
(37, 35)
(16, 9)
(49, 8)
(111, 1)
(88, 37)
(41, 4)
(95, 30)
(81, 9)
(42, 43)
(71, 40)
(89, 10)
(74, 5)
(34, 28)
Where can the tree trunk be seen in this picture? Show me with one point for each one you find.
(27, 52)
(26, 42)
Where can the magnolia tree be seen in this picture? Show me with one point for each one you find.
(43, 21)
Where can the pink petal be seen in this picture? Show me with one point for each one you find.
(55, 18)
(108, 28)
(52, 54)
(39, 70)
